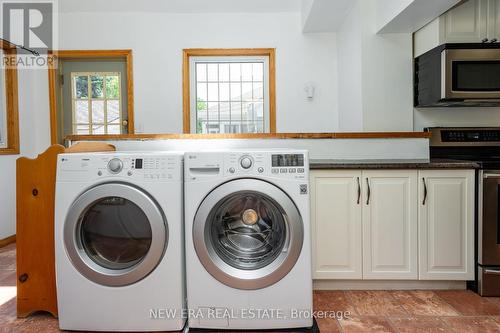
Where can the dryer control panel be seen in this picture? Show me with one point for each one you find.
(138, 167)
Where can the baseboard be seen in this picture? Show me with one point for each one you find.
(387, 285)
(7, 241)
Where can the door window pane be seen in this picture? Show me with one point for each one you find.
(81, 86)
(97, 86)
(101, 111)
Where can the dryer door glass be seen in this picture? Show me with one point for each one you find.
(115, 233)
(248, 230)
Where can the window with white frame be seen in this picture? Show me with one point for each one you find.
(96, 102)
(229, 94)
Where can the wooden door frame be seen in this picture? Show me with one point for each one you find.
(11, 101)
(88, 54)
(186, 94)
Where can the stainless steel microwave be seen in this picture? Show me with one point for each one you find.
(458, 75)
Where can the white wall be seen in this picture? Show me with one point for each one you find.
(381, 81)
(349, 70)
(34, 138)
(157, 41)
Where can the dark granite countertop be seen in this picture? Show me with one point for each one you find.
(392, 164)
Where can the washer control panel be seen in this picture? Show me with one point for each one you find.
(139, 167)
(283, 165)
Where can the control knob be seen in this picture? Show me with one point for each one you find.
(115, 165)
(246, 162)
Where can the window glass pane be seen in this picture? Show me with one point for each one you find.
(224, 92)
(113, 110)
(224, 72)
(213, 70)
(213, 111)
(224, 111)
(213, 128)
(113, 86)
(258, 71)
(259, 110)
(235, 111)
(82, 129)
(201, 126)
(114, 129)
(246, 72)
(235, 91)
(235, 72)
(98, 112)
(81, 86)
(213, 92)
(201, 91)
(258, 91)
(98, 129)
(81, 111)
(246, 89)
(201, 72)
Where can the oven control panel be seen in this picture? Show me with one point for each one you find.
(464, 136)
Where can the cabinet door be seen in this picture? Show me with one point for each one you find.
(390, 224)
(446, 225)
(466, 23)
(336, 224)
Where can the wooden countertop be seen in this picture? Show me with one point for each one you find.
(345, 135)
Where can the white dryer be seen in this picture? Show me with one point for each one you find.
(248, 257)
(119, 248)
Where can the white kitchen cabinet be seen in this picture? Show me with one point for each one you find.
(336, 224)
(471, 22)
(446, 225)
(467, 23)
(390, 224)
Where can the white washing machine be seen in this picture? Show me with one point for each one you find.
(119, 248)
(248, 257)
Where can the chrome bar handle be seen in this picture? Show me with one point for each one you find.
(359, 190)
(425, 191)
(368, 189)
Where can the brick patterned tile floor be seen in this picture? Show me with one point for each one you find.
(454, 311)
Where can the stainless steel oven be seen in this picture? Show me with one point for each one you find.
(458, 75)
(483, 146)
(489, 233)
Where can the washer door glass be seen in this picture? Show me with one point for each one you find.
(248, 230)
(115, 234)
(248, 234)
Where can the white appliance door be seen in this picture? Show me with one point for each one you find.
(115, 234)
(248, 234)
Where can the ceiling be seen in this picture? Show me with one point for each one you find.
(180, 6)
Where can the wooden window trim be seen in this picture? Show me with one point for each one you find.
(88, 54)
(186, 101)
(11, 103)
